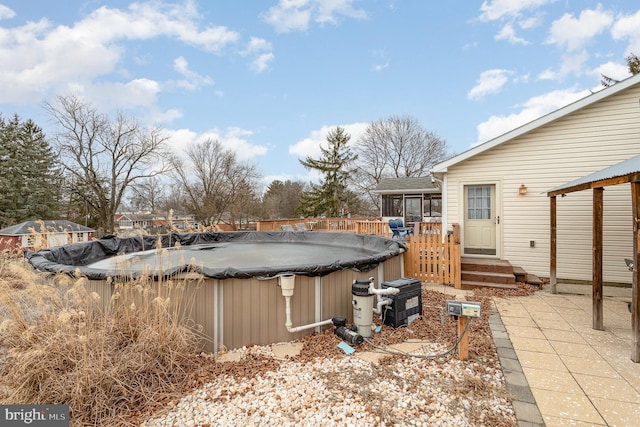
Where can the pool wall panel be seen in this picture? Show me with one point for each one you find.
(241, 312)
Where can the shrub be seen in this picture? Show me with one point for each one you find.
(62, 345)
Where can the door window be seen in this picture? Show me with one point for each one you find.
(479, 202)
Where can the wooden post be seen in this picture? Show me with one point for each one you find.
(553, 245)
(598, 323)
(456, 233)
(635, 294)
(463, 346)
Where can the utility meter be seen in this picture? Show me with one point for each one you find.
(463, 308)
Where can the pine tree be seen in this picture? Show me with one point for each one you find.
(329, 198)
(29, 179)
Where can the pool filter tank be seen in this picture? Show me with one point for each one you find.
(364, 294)
(362, 306)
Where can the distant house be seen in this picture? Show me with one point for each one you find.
(36, 234)
(497, 191)
(135, 221)
(154, 222)
(414, 199)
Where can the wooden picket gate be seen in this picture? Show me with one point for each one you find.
(430, 259)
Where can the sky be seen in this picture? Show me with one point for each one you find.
(269, 78)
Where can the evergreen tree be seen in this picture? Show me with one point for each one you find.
(281, 199)
(329, 198)
(29, 179)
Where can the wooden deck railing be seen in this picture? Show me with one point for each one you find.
(430, 257)
(315, 224)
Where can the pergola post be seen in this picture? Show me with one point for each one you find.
(553, 244)
(635, 305)
(598, 322)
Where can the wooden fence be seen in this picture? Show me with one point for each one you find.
(430, 257)
(315, 224)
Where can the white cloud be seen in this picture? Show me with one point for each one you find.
(530, 22)
(233, 138)
(152, 19)
(296, 15)
(6, 13)
(626, 27)
(380, 67)
(261, 50)
(192, 80)
(261, 63)
(257, 45)
(614, 70)
(534, 108)
(573, 34)
(508, 33)
(490, 81)
(548, 75)
(37, 59)
(329, 10)
(493, 10)
(310, 146)
(574, 63)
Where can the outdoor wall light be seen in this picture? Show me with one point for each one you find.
(523, 189)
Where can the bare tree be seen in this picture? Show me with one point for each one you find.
(395, 147)
(175, 198)
(217, 187)
(103, 156)
(148, 194)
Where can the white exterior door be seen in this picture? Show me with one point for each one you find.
(480, 219)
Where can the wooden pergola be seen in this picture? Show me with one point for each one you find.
(627, 171)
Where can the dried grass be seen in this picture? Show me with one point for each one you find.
(60, 347)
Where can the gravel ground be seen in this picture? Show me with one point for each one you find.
(323, 386)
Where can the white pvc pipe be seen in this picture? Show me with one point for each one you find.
(287, 283)
(385, 291)
(381, 302)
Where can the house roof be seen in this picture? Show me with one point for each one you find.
(140, 217)
(625, 171)
(28, 227)
(442, 167)
(406, 185)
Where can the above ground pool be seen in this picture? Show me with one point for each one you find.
(220, 255)
(240, 300)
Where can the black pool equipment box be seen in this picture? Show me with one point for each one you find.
(406, 305)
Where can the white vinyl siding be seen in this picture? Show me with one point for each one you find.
(585, 141)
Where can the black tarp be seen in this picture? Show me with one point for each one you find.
(75, 257)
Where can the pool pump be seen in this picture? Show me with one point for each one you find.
(347, 334)
(364, 293)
